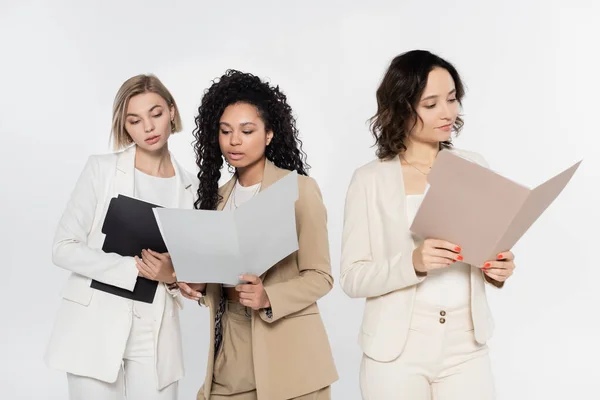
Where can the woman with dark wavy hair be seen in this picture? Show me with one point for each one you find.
(268, 340)
(426, 319)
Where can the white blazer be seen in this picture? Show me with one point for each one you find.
(92, 327)
(377, 263)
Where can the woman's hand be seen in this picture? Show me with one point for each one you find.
(501, 268)
(435, 254)
(191, 291)
(253, 293)
(156, 266)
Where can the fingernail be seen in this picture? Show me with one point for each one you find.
(486, 265)
(457, 248)
(500, 257)
(460, 258)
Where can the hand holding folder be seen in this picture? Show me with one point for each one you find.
(130, 227)
(208, 246)
(480, 210)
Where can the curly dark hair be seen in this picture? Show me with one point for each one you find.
(284, 150)
(397, 98)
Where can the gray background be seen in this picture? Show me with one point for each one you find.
(531, 109)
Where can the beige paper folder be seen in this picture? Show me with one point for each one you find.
(480, 210)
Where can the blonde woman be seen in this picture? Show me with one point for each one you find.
(113, 346)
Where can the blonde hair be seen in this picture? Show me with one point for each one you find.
(133, 86)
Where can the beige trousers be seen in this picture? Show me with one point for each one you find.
(233, 375)
(441, 361)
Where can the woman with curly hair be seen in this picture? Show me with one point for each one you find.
(268, 340)
(426, 319)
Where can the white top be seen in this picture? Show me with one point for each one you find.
(156, 190)
(447, 288)
(162, 192)
(239, 195)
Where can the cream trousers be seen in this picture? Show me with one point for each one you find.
(137, 378)
(441, 361)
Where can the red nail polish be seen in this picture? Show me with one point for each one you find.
(486, 265)
(457, 248)
(500, 257)
(460, 258)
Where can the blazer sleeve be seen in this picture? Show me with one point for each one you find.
(360, 274)
(70, 249)
(314, 280)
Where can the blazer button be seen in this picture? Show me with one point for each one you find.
(443, 313)
(442, 320)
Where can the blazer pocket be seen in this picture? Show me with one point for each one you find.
(310, 310)
(371, 315)
(78, 290)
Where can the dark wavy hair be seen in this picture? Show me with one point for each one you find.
(284, 150)
(397, 98)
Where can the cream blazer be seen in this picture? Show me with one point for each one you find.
(376, 262)
(92, 327)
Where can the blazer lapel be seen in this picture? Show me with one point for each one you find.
(124, 175)
(186, 193)
(271, 175)
(225, 192)
(390, 190)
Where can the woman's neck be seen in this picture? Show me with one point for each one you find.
(155, 163)
(251, 174)
(420, 152)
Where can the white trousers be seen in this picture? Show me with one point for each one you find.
(441, 361)
(137, 378)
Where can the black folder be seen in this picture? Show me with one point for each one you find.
(130, 227)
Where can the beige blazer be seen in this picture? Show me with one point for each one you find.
(376, 261)
(92, 327)
(291, 351)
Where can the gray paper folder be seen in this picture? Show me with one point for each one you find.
(209, 246)
(480, 210)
